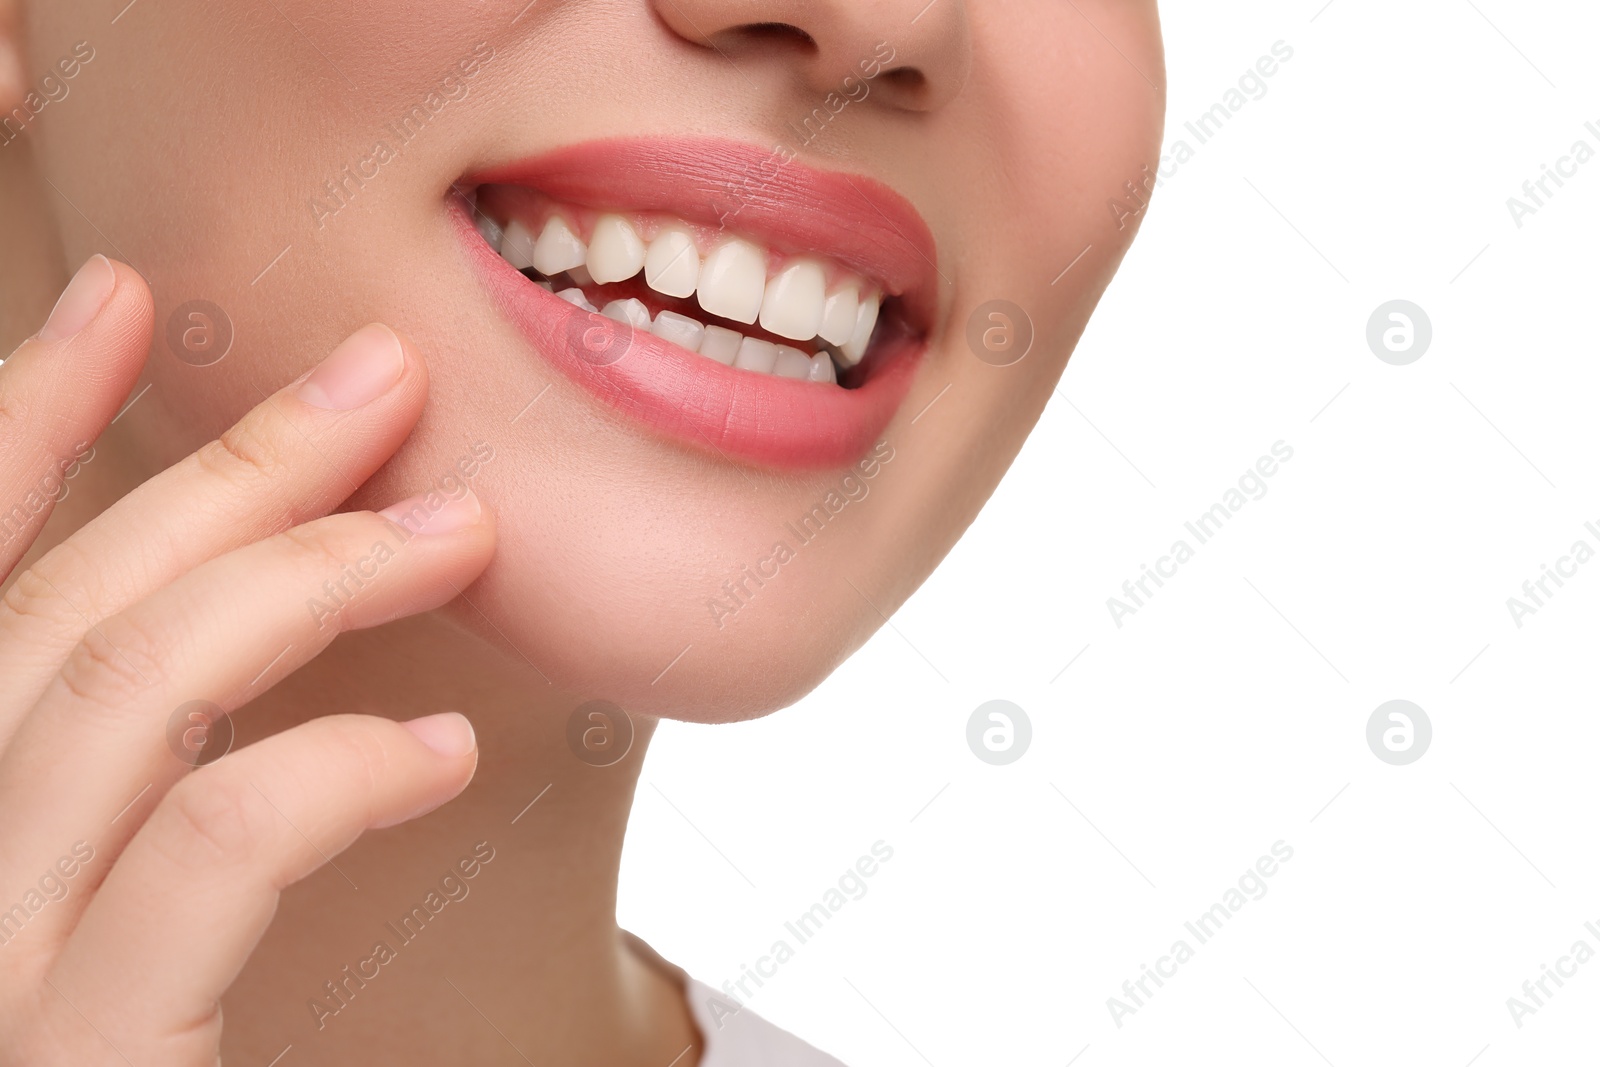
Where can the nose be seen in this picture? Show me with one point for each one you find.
(915, 54)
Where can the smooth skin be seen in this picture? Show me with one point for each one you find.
(115, 626)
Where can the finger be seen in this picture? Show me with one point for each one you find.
(293, 458)
(224, 633)
(198, 885)
(60, 389)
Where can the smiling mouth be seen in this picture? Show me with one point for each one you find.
(723, 297)
(755, 308)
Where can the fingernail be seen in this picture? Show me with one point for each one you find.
(358, 372)
(12, 80)
(449, 734)
(82, 299)
(435, 513)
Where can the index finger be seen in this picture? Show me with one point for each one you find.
(61, 388)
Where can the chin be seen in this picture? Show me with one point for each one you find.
(636, 570)
(657, 630)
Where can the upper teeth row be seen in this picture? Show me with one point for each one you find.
(730, 281)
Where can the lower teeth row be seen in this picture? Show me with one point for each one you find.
(728, 347)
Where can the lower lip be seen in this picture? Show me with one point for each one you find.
(758, 418)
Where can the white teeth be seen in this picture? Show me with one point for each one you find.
(822, 369)
(721, 344)
(615, 251)
(672, 264)
(733, 280)
(792, 304)
(490, 229)
(730, 283)
(517, 246)
(792, 363)
(558, 248)
(839, 315)
(757, 355)
(681, 330)
(631, 311)
(576, 298)
(546, 286)
(866, 319)
(731, 348)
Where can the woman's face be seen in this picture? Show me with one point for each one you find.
(677, 535)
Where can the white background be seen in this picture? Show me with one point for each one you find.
(1230, 712)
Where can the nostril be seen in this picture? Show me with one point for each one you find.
(908, 78)
(778, 33)
(906, 87)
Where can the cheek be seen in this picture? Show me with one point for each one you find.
(1074, 95)
(1062, 114)
(268, 120)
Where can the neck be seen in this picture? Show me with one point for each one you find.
(528, 944)
(380, 956)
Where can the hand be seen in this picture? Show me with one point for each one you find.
(133, 887)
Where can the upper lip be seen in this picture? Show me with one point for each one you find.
(768, 196)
